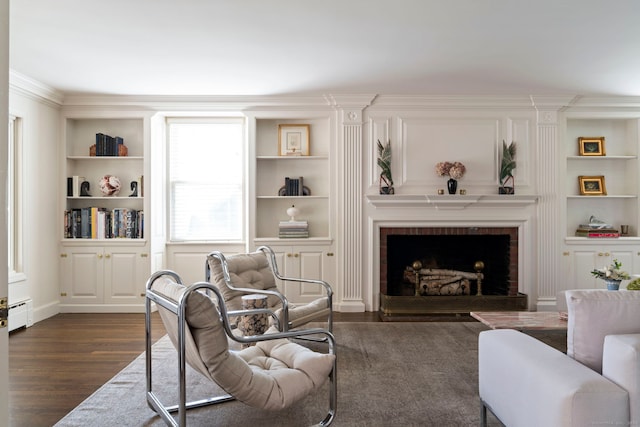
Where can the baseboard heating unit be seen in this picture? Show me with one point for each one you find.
(20, 314)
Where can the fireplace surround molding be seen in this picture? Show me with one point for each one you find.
(410, 211)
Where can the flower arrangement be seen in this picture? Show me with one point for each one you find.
(455, 170)
(611, 272)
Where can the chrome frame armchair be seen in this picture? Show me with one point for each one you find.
(179, 309)
(291, 316)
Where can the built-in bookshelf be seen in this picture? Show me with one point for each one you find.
(103, 151)
(285, 181)
(104, 249)
(618, 167)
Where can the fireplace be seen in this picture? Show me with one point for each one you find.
(491, 251)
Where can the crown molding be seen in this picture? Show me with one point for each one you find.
(26, 86)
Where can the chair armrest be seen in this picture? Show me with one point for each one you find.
(621, 364)
(525, 382)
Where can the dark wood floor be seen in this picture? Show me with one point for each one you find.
(57, 363)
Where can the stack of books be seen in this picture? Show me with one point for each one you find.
(599, 231)
(294, 229)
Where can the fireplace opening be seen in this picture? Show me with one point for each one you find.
(454, 254)
(416, 260)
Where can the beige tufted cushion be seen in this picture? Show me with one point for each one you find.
(271, 375)
(594, 314)
(246, 271)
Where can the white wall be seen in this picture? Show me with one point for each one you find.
(41, 156)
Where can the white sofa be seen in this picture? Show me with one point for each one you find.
(525, 382)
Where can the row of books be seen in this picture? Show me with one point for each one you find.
(100, 223)
(294, 229)
(108, 146)
(293, 186)
(605, 232)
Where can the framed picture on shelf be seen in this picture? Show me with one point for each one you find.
(293, 140)
(591, 146)
(592, 185)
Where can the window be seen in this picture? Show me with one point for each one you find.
(206, 179)
(14, 200)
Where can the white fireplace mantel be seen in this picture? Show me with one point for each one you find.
(450, 201)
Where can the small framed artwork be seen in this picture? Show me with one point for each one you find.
(592, 185)
(293, 140)
(591, 146)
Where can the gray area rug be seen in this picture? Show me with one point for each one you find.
(389, 374)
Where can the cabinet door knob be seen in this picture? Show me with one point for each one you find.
(329, 253)
(600, 254)
(289, 255)
(296, 255)
(99, 256)
(566, 253)
(144, 256)
(65, 255)
(607, 254)
(107, 255)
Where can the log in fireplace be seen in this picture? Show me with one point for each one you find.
(459, 249)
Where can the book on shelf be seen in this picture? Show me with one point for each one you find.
(107, 145)
(293, 229)
(73, 185)
(294, 186)
(597, 232)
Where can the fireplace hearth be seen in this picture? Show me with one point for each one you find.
(459, 251)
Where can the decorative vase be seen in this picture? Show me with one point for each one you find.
(452, 186)
(387, 190)
(506, 190)
(613, 285)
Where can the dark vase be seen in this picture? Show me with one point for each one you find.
(452, 186)
(506, 190)
(387, 190)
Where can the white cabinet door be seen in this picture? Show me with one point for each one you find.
(82, 275)
(125, 273)
(307, 262)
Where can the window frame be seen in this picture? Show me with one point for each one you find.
(15, 202)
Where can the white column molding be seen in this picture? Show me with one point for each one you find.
(350, 201)
(549, 208)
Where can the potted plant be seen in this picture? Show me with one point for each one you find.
(384, 161)
(507, 165)
(612, 275)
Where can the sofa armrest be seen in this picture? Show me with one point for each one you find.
(621, 364)
(525, 382)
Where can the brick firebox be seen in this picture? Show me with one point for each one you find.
(511, 232)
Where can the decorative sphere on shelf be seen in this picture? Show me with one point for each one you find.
(293, 212)
(110, 185)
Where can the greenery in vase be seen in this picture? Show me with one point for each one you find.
(611, 272)
(384, 161)
(508, 163)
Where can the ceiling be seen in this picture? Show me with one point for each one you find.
(275, 47)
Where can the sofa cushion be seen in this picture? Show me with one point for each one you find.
(621, 364)
(594, 314)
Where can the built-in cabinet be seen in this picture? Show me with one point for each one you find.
(97, 269)
(312, 257)
(619, 206)
(103, 275)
